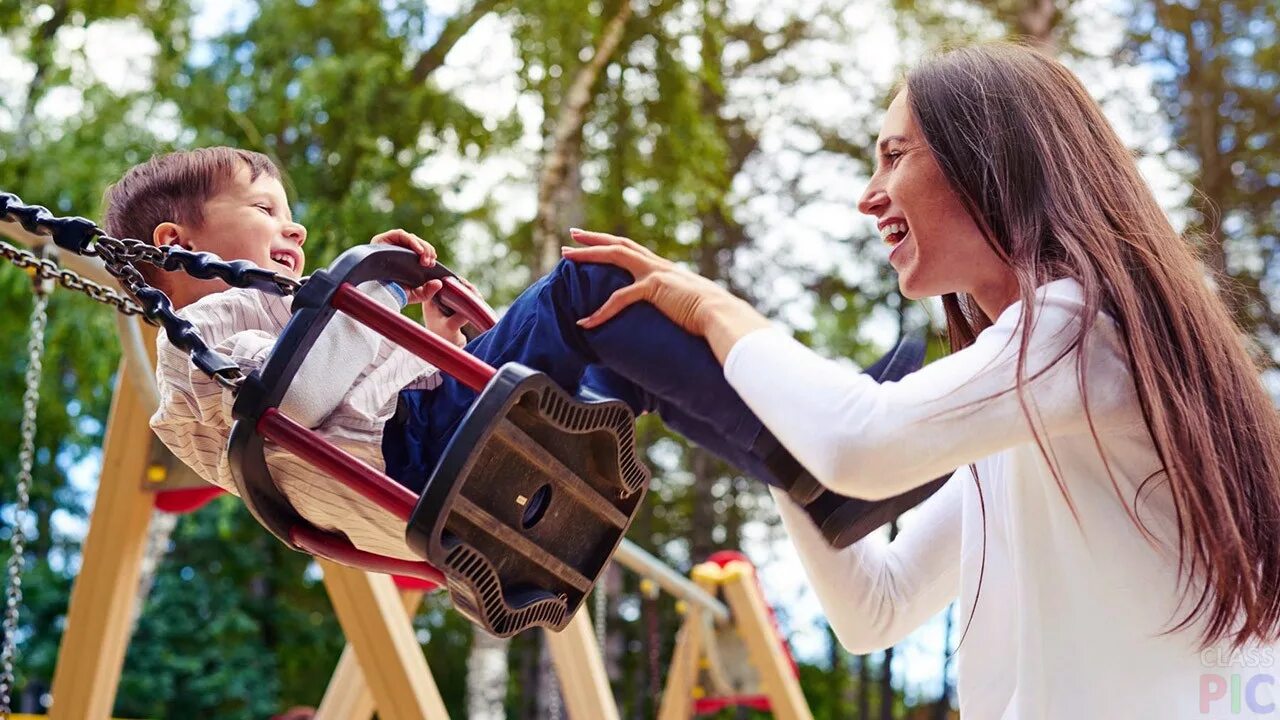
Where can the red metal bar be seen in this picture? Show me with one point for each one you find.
(317, 542)
(460, 299)
(374, 486)
(707, 706)
(452, 360)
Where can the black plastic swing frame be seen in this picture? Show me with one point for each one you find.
(527, 503)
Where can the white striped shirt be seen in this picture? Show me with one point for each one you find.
(345, 389)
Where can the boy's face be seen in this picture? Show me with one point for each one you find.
(249, 220)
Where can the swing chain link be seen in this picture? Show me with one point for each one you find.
(46, 270)
(119, 257)
(26, 462)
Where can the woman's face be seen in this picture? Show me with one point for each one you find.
(936, 247)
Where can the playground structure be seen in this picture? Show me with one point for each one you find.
(374, 610)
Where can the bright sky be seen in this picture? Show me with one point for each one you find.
(481, 70)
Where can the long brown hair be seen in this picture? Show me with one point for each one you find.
(1058, 195)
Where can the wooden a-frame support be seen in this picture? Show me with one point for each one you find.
(749, 613)
(374, 620)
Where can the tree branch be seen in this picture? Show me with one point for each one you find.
(454, 30)
(567, 136)
(42, 50)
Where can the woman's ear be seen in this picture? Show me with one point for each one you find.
(167, 233)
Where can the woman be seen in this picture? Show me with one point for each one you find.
(1112, 526)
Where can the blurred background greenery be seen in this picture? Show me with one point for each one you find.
(734, 135)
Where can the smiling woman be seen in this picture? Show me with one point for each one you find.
(948, 252)
(1113, 504)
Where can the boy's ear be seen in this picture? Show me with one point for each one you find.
(167, 233)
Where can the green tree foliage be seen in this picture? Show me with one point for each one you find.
(701, 113)
(1217, 79)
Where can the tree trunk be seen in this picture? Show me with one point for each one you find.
(864, 687)
(454, 30)
(836, 676)
(158, 534)
(549, 703)
(558, 183)
(487, 676)
(1037, 20)
(42, 51)
(886, 686)
(702, 466)
(942, 709)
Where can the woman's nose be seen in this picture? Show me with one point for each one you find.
(873, 201)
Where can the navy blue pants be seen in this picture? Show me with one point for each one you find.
(639, 357)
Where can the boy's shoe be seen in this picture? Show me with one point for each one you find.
(906, 357)
(845, 520)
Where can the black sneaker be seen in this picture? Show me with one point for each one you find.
(801, 486)
(845, 520)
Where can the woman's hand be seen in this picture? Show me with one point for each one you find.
(693, 302)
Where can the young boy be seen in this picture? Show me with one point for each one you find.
(375, 400)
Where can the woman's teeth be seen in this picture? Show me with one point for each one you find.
(893, 232)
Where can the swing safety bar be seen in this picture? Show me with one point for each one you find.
(375, 486)
(530, 497)
(259, 397)
(466, 369)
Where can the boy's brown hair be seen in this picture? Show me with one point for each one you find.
(174, 187)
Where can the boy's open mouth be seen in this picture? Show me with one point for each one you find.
(285, 259)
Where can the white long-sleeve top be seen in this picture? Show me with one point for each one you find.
(345, 389)
(1067, 624)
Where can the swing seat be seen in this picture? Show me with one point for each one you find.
(527, 503)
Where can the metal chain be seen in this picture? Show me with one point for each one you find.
(26, 460)
(601, 609)
(119, 255)
(45, 269)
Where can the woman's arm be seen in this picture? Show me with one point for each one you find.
(874, 441)
(876, 592)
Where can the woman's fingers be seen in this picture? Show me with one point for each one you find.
(620, 255)
(620, 300)
(589, 237)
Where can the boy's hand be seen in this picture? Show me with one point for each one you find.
(409, 241)
(449, 328)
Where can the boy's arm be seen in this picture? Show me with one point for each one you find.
(335, 361)
(194, 418)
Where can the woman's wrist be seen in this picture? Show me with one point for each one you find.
(729, 319)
